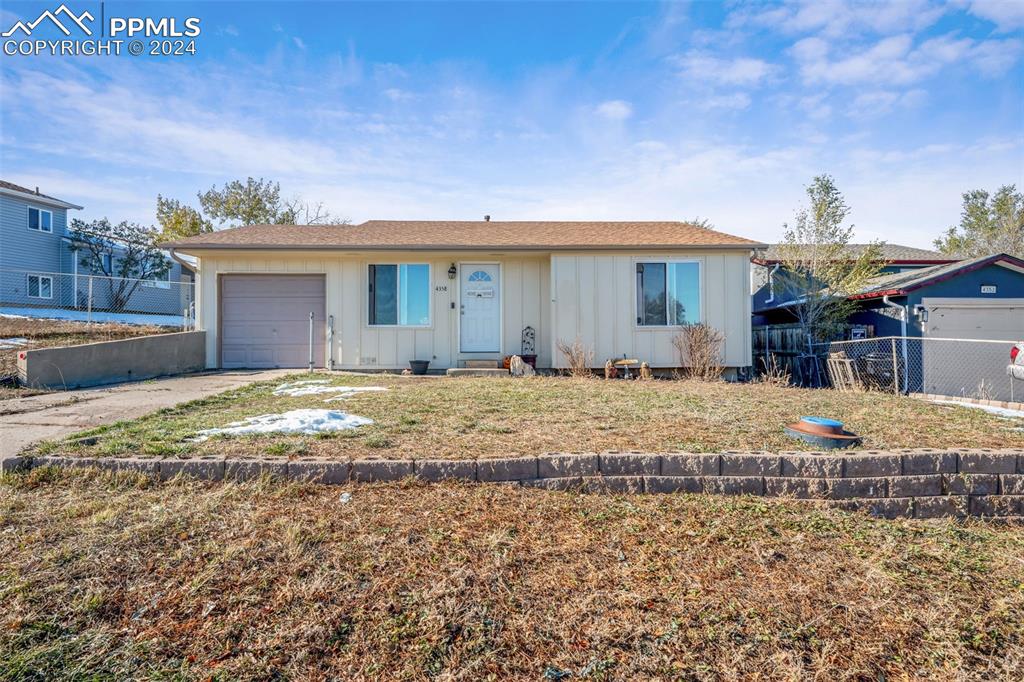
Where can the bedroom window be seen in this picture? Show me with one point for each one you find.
(667, 293)
(40, 286)
(399, 294)
(40, 219)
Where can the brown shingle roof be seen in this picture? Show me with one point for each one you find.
(893, 253)
(464, 234)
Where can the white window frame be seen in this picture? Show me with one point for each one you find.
(665, 261)
(39, 286)
(155, 283)
(107, 262)
(41, 211)
(398, 296)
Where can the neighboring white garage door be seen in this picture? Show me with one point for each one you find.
(264, 320)
(971, 369)
(975, 318)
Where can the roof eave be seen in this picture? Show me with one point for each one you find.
(40, 199)
(449, 247)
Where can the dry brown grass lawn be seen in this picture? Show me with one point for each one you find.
(443, 417)
(115, 577)
(48, 333)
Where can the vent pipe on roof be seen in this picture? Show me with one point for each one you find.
(487, 218)
(37, 189)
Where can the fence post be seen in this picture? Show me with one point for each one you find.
(895, 369)
(88, 316)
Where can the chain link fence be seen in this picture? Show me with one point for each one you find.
(96, 298)
(961, 368)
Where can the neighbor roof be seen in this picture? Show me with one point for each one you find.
(900, 283)
(26, 193)
(891, 253)
(465, 235)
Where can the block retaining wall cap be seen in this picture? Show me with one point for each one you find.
(559, 465)
(922, 483)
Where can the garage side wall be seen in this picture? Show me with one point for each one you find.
(595, 301)
(357, 345)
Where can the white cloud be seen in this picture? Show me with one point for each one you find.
(1007, 15)
(299, 43)
(615, 110)
(736, 100)
(896, 61)
(876, 103)
(739, 71)
(231, 30)
(398, 95)
(841, 18)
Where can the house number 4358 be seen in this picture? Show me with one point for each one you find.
(441, 287)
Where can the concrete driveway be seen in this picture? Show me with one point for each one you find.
(24, 421)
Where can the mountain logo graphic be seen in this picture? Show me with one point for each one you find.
(78, 20)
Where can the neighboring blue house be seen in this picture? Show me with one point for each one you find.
(39, 269)
(771, 299)
(945, 314)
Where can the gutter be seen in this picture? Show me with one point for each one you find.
(448, 248)
(183, 263)
(903, 333)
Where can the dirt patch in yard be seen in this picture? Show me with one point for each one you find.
(481, 417)
(117, 577)
(38, 333)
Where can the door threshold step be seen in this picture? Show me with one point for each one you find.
(482, 364)
(477, 372)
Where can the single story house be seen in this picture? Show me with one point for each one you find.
(385, 292)
(977, 298)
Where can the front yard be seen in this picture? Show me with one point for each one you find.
(116, 577)
(24, 333)
(482, 417)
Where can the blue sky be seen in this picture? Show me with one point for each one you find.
(538, 111)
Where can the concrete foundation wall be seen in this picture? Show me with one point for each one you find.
(109, 362)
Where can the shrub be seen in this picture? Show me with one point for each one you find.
(578, 357)
(700, 351)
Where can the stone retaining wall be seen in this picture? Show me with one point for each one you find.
(919, 483)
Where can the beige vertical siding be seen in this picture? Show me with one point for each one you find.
(525, 301)
(595, 301)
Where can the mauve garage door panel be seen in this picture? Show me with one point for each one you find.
(264, 320)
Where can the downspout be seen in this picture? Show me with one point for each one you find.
(771, 283)
(903, 333)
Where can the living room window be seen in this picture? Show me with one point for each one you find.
(399, 294)
(39, 219)
(667, 293)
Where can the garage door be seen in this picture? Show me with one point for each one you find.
(264, 320)
(975, 370)
(974, 318)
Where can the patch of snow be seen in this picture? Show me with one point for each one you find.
(295, 421)
(14, 342)
(307, 387)
(1004, 412)
(345, 498)
(83, 316)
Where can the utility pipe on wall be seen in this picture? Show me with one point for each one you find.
(903, 333)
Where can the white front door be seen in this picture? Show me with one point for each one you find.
(480, 326)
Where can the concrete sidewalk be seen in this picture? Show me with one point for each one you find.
(24, 421)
